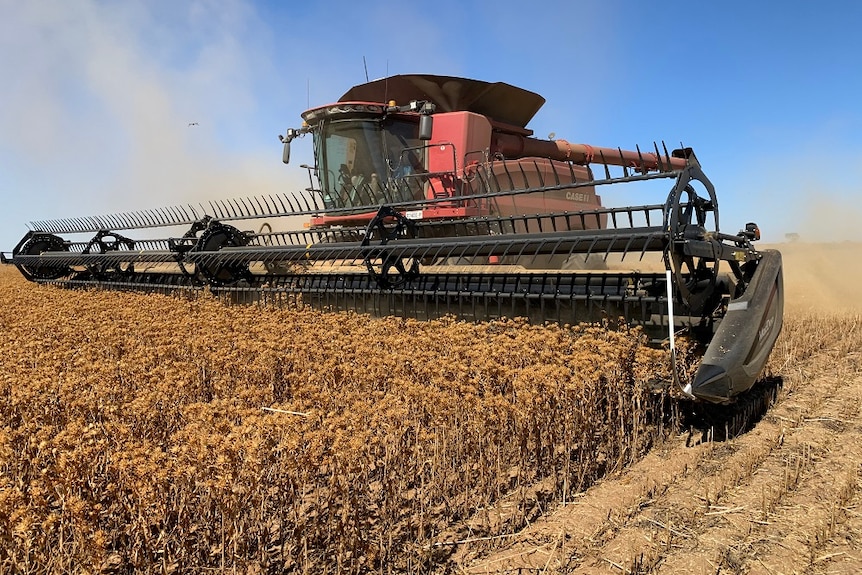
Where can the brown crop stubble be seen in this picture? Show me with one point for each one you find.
(133, 436)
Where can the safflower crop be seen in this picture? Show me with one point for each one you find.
(150, 433)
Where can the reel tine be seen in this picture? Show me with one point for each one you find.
(305, 200)
(101, 222)
(590, 250)
(278, 197)
(166, 217)
(146, 218)
(611, 244)
(138, 219)
(254, 207)
(58, 226)
(194, 215)
(658, 157)
(98, 224)
(219, 209)
(75, 225)
(135, 219)
(85, 227)
(242, 208)
(524, 174)
(110, 221)
(86, 224)
(311, 201)
(270, 209)
(173, 214)
(292, 208)
(214, 210)
(313, 196)
(154, 217)
(234, 208)
(627, 248)
(230, 208)
(605, 164)
(623, 163)
(127, 220)
(179, 216)
(53, 226)
(176, 215)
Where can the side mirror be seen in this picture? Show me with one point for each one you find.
(426, 126)
(291, 134)
(752, 231)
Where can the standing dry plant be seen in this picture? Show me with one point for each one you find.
(133, 438)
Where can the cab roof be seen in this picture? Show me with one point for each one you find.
(497, 100)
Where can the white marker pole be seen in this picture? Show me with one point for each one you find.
(670, 311)
(687, 389)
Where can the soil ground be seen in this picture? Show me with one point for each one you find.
(785, 497)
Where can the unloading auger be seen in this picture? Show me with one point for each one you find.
(446, 204)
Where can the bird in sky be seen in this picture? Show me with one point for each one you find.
(193, 124)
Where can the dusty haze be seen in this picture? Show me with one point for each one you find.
(822, 276)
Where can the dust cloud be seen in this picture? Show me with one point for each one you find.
(119, 107)
(833, 216)
(822, 277)
(823, 251)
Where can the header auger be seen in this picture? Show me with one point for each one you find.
(430, 197)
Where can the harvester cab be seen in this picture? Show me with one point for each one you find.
(431, 148)
(430, 196)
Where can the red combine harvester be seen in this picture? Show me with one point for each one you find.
(429, 196)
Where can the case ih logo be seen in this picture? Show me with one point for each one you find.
(578, 196)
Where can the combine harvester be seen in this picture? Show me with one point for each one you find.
(429, 197)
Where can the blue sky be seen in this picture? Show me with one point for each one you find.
(98, 96)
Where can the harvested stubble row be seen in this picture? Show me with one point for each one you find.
(132, 434)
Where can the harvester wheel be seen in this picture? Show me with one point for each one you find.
(39, 243)
(695, 272)
(217, 271)
(104, 242)
(388, 225)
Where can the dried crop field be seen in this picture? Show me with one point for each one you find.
(153, 433)
(144, 433)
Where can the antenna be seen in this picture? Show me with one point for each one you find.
(386, 85)
(365, 64)
(308, 93)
